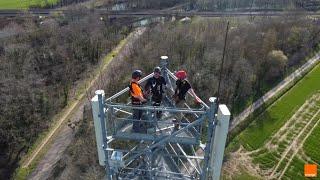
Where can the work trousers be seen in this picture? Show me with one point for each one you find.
(137, 124)
(157, 113)
(179, 116)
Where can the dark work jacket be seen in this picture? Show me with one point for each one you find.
(182, 88)
(156, 86)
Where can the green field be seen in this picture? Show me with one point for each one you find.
(24, 4)
(270, 121)
(312, 145)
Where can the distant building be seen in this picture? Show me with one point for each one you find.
(185, 20)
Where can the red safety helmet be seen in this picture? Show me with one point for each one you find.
(181, 74)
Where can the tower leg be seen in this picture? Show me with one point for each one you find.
(211, 127)
(220, 137)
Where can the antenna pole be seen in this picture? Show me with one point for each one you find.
(214, 105)
(221, 66)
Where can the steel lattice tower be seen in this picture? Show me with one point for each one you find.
(195, 151)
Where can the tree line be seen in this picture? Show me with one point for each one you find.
(260, 53)
(40, 65)
(256, 4)
(221, 5)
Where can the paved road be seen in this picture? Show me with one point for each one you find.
(271, 93)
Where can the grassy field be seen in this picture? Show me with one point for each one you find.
(243, 175)
(24, 4)
(295, 170)
(276, 115)
(312, 145)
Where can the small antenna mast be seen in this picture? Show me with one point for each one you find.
(221, 66)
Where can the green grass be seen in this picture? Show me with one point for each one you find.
(295, 169)
(266, 160)
(25, 4)
(311, 146)
(242, 175)
(271, 120)
(245, 176)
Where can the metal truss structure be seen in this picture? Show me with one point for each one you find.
(195, 151)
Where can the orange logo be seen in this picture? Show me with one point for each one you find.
(310, 170)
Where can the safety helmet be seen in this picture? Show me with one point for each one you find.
(157, 69)
(136, 73)
(181, 74)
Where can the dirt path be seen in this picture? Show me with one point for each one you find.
(73, 112)
(240, 160)
(53, 155)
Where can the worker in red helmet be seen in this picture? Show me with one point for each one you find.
(182, 87)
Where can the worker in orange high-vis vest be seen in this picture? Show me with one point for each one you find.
(137, 99)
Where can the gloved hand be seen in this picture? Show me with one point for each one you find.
(197, 100)
(144, 101)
